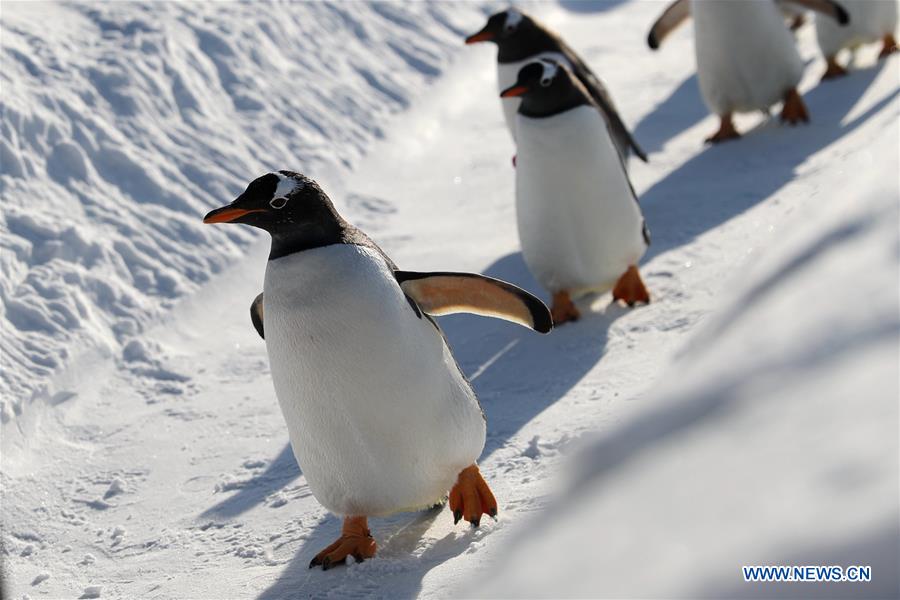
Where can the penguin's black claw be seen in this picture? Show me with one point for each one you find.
(475, 522)
(326, 563)
(457, 515)
(315, 562)
(493, 513)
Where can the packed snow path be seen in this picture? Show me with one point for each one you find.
(167, 473)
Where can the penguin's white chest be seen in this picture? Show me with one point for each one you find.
(508, 73)
(870, 20)
(379, 416)
(580, 226)
(746, 57)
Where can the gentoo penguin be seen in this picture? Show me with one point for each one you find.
(746, 58)
(381, 419)
(580, 226)
(521, 39)
(870, 21)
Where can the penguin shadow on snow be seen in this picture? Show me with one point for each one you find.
(722, 181)
(683, 109)
(278, 474)
(517, 374)
(590, 6)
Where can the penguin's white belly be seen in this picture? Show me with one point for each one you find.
(508, 73)
(870, 20)
(379, 416)
(746, 57)
(580, 226)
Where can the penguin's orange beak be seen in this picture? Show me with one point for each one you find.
(227, 214)
(481, 36)
(512, 92)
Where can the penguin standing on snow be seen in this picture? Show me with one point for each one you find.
(870, 21)
(381, 419)
(746, 57)
(520, 40)
(580, 226)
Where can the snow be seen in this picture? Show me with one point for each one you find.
(747, 416)
(121, 123)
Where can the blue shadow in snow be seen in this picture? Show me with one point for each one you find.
(683, 109)
(590, 6)
(279, 474)
(725, 180)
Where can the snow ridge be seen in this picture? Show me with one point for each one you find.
(123, 123)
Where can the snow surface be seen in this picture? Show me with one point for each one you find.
(144, 454)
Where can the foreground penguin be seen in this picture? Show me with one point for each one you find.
(380, 417)
(520, 40)
(870, 21)
(580, 225)
(746, 57)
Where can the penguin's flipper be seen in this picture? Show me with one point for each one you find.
(826, 7)
(442, 293)
(256, 315)
(676, 14)
(603, 100)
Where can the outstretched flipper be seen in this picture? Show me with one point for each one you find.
(826, 7)
(256, 315)
(448, 293)
(676, 14)
(600, 95)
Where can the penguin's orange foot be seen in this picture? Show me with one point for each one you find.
(833, 70)
(355, 541)
(794, 110)
(471, 497)
(889, 46)
(563, 308)
(630, 288)
(726, 131)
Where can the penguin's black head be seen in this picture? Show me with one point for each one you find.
(546, 88)
(516, 34)
(275, 202)
(500, 27)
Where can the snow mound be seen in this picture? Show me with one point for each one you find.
(123, 123)
(774, 437)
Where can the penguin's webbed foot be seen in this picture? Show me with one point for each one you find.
(355, 541)
(563, 308)
(794, 110)
(833, 69)
(630, 288)
(726, 131)
(889, 46)
(471, 497)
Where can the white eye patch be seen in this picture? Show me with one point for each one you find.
(286, 185)
(513, 18)
(550, 69)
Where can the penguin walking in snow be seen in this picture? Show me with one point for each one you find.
(746, 58)
(870, 21)
(580, 225)
(521, 39)
(381, 419)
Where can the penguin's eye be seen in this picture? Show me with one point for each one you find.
(278, 203)
(546, 81)
(509, 28)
